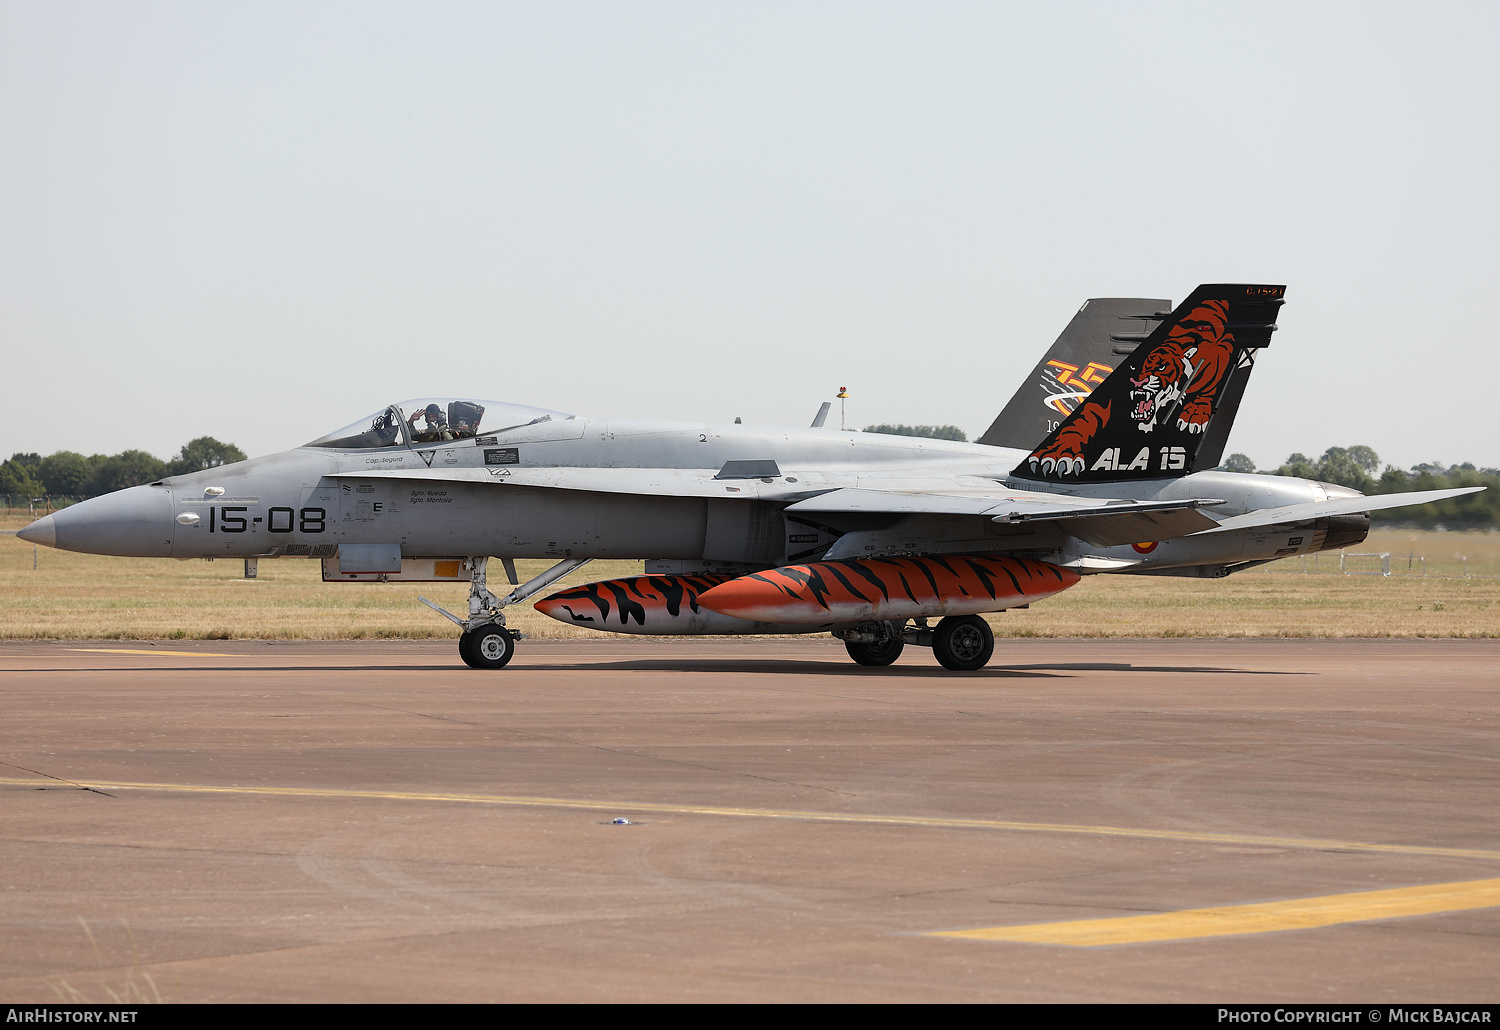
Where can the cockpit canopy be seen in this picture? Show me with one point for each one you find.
(434, 420)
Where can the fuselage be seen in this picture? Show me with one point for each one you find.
(577, 487)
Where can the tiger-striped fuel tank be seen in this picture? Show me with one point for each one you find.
(862, 589)
(657, 605)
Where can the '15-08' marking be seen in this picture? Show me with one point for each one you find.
(278, 520)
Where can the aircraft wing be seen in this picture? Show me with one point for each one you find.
(1337, 506)
(1106, 524)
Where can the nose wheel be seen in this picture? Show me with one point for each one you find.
(963, 643)
(488, 647)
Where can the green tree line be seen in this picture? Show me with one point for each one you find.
(1360, 468)
(929, 432)
(70, 474)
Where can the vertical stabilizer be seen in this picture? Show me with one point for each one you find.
(1101, 335)
(1216, 437)
(1171, 399)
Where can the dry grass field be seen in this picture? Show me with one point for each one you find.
(76, 596)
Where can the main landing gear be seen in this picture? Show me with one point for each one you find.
(486, 642)
(884, 646)
(962, 643)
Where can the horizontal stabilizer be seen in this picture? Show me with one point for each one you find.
(1027, 511)
(1118, 524)
(1337, 506)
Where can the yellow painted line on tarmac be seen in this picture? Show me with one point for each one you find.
(633, 807)
(1234, 920)
(184, 654)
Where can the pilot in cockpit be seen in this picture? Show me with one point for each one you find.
(436, 428)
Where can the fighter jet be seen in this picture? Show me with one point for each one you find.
(745, 529)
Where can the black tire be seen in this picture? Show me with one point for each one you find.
(488, 647)
(883, 653)
(463, 650)
(963, 643)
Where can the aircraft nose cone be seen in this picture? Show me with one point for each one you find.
(42, 531)
(134, 523)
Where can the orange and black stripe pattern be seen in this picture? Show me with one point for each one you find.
(876, 587)
(634, 598)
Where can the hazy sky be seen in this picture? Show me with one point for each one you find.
(261, 221)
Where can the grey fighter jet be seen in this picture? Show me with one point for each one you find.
(1110, 467)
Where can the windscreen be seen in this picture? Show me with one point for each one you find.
(382, 429)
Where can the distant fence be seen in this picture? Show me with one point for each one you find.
(20, 504)
(1384, 563)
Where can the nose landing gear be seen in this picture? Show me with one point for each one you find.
(486, 642)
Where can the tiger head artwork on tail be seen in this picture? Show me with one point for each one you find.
(1148, 419)
(1187, 367)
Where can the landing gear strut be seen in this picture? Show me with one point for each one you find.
(486, 642)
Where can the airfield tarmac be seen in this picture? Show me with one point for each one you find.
(369, 821)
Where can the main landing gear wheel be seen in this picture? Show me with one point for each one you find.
(963, 643)
(883, 653)
(488, 647)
